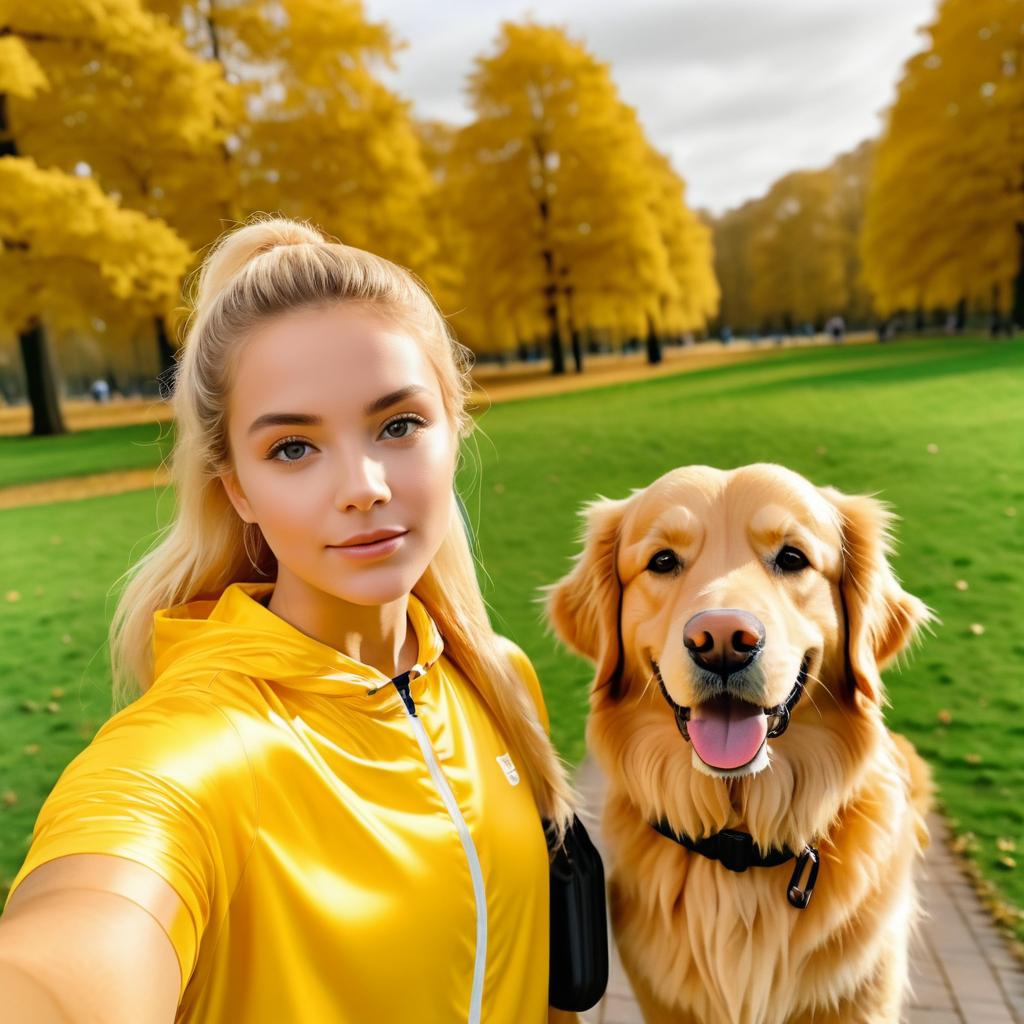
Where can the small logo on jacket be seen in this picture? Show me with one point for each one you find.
(508, 768)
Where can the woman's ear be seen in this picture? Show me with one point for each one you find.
(882, 619)
(232, 488)
(584, 606)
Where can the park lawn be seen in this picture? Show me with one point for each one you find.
(935, 427)
(29, 460)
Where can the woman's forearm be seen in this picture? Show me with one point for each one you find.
(27, 1000)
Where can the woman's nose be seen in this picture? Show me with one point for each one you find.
(361, 482)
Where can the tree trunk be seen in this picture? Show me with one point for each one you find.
(653, 343)
(40, 379)
(1018, 281)
(551, 311)
(961, 315)
(574, 334)
(41, 382)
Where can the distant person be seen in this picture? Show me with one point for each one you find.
(836, 328)
(726, 334)
(100, 390)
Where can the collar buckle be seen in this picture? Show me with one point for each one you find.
(798, 897)
(734, 849)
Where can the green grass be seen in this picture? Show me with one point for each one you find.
(28, 460)
(859, 417)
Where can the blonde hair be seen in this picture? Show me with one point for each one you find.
(262, 268)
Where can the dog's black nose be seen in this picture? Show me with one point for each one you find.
(724, 640)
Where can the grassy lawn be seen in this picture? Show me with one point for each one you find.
(861, 418)
(28, 460)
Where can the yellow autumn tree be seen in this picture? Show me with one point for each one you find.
(733, 231)
(792, 257)
(944, 224)
(557, 199)
(693, 295)
(321, 137)
(797, 252)
(445, 275)
(69, 250)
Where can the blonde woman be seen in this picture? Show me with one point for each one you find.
(326, 803)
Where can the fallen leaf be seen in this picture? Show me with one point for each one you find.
(1005, 845)
(1007, 862)
(57, 692)
(972, 758)
(961, 584)
(945, 716)
(12, 596)
(53, 707)
(933, 449)
(31, 748)
(977, 628)
(10, 798)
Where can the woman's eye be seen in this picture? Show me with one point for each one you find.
(415, 421)
(791, 559)
(286, 445)
(664, 561)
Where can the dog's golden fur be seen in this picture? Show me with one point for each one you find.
(702, 944)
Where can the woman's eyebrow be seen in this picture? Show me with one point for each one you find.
(276, 419)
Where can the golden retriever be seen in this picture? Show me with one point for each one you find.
(738, 620)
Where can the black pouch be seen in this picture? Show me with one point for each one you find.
(578, 973)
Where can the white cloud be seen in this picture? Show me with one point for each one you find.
(736, 92)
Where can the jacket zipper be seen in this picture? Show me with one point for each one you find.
(476, 997)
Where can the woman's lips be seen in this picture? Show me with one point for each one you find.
(372, 550)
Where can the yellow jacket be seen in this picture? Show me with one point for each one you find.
(343, 856)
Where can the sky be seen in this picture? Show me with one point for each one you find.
(736, 92)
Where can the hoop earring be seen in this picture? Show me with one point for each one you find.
(245, 544)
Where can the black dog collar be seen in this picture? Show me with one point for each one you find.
(738, 851)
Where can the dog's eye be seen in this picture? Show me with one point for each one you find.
(791, 559)
(664, 561)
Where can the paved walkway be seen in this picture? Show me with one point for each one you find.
(961, 969)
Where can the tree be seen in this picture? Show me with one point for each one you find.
(556, 196)
(944, 224)
(796, 251)
(61, 257)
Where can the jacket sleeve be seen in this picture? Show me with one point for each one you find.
(529, 677)
(166, 783)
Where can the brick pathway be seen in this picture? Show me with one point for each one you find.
(961, 969)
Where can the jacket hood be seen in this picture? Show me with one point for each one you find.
(237, 633)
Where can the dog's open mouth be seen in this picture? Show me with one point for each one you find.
(727, 732)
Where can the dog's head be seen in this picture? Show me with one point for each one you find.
(731, 590)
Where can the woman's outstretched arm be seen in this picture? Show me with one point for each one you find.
(71, 953)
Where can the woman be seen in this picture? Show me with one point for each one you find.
(326, 803)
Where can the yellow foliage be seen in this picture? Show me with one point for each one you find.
(20, 75)
(791, 256)
(946, 202)
(66, 244)
(561, 211)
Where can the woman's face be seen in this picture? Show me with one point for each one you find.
(337, 429)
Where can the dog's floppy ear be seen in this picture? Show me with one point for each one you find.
(584, 606)
(882, 619)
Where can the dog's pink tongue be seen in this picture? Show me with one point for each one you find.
(726, 732)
